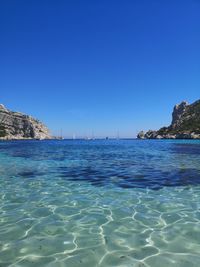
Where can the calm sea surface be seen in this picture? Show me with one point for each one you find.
(100, 203)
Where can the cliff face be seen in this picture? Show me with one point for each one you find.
(185, 124)
(15, 125)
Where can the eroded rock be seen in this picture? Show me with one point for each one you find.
(16, 125)
(185, 124)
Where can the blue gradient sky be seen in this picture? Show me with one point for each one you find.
(99, 66)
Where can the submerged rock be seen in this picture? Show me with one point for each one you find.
(16, 125)
(185, 124)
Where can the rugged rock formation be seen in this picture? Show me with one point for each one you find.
(185, 124)
(15, 125)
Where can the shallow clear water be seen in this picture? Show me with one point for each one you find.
(100, 203)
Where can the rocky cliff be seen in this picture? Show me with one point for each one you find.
(185, 124)
(15, 125)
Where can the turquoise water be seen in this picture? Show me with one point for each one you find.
(100, 203)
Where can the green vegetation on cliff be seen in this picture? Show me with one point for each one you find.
(185, 123)
(189, 120)
(2, 131)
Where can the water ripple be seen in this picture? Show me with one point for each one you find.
(94, 204)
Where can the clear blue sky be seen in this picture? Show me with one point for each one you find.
(99, 66)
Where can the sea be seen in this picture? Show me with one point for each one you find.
(100, 203)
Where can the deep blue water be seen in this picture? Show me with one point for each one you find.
(122, 163)
(100, 203)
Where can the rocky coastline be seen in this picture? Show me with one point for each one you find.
(19, 126)
(185, 124)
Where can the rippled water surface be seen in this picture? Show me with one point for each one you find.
(100, 203)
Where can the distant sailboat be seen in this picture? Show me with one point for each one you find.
(74, 137)
(61, 135)
(90, 137)
(118, 136)
(93, 138)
